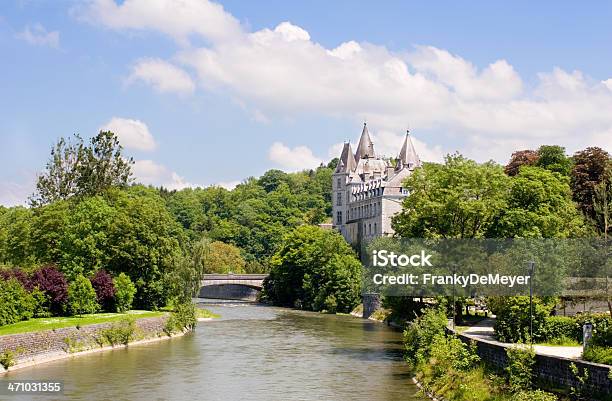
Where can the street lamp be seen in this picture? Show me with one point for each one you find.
(531, 264)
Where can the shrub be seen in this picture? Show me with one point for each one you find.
(16, 304)
(183, 317)
(41, 303)
(449, 352)
(7, 359)
(53, 283)
(598, 354)
(420, 334)
(513, 321)
(124, 292)
(561, 327)
(102, 283)
(17, 273)
(534, 395)
(121, 332)
(519, 367)
(82, 296)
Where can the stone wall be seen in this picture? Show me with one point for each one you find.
(550, 370)
(53, 343)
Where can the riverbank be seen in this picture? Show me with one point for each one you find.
(32, 348)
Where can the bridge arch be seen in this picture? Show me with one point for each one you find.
(244, 287)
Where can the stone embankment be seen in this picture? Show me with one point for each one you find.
(27, 349)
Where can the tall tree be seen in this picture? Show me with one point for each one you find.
(553, 158)
(520, 158)
(457, 199)
(82, 170)
(589, 168)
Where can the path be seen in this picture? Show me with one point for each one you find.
(483, 330)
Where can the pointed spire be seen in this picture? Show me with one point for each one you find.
(365, 147)
(347, 160)
(408, 156)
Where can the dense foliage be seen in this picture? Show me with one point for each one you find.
(82, 296)
(314, 269)
(16, 303)
(102, 283)
(124, 292)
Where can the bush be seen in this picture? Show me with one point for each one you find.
(519, 368)
(102, 283)
(598, 354)
(534, 395)
(561, 327)
(7, 359)
(16, 304)
(53, 283)
(82, 296)
(121, 332)
(124, 292)
(41, 303)
(419, 335)
(183, 317)
(512, 323)
(17, 273)
(450, 353)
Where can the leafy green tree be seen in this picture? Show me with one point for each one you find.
(457, 199)
(314, 269)
(16, 304)
(16, 237)
(76, 169)
(539, 205)
(553, 158)
(124, 292)
(49, 225)
(223, 258)
(82, 296)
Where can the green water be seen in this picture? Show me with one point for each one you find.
(251, 353)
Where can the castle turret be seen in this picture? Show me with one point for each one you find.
(408, 157)
(365, 149)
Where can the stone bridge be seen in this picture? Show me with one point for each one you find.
(244, 287)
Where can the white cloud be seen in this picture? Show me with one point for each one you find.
(282, 71)
(178, 19)
(297, 158)
(132, 134)
(149, 172)
(162, 76)
(38, 35)
(229, 185)
(16, 193)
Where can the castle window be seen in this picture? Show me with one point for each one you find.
(338, 183)
(374, 228)
(339, 199)
(339, 218)
(369, 229)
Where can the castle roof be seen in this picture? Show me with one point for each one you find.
(366, 146)
(408, 156)
(347, 160)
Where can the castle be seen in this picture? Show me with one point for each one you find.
(367, 190)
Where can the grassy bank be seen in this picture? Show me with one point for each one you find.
(40, 324)
(206, 314)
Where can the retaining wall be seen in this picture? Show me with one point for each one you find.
(50, 344)
(551, 370)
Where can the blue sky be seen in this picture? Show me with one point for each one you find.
(205, 93)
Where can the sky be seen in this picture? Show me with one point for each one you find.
(208, 93)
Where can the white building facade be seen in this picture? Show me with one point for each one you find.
(367, 190)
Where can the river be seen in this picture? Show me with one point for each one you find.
(251, 353)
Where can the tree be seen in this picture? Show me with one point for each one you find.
(314, 269)
(16, 304)
(223, 258)
(53, 283)
(602, 204)
(521, 158)
(82, 296)
(539, 205)
(102, 283)
(553, 158)
(589, 170)
(76, 169)
(457, 199)
(124, 292)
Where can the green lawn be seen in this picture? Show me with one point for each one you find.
(48, 323)
(205, 313)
